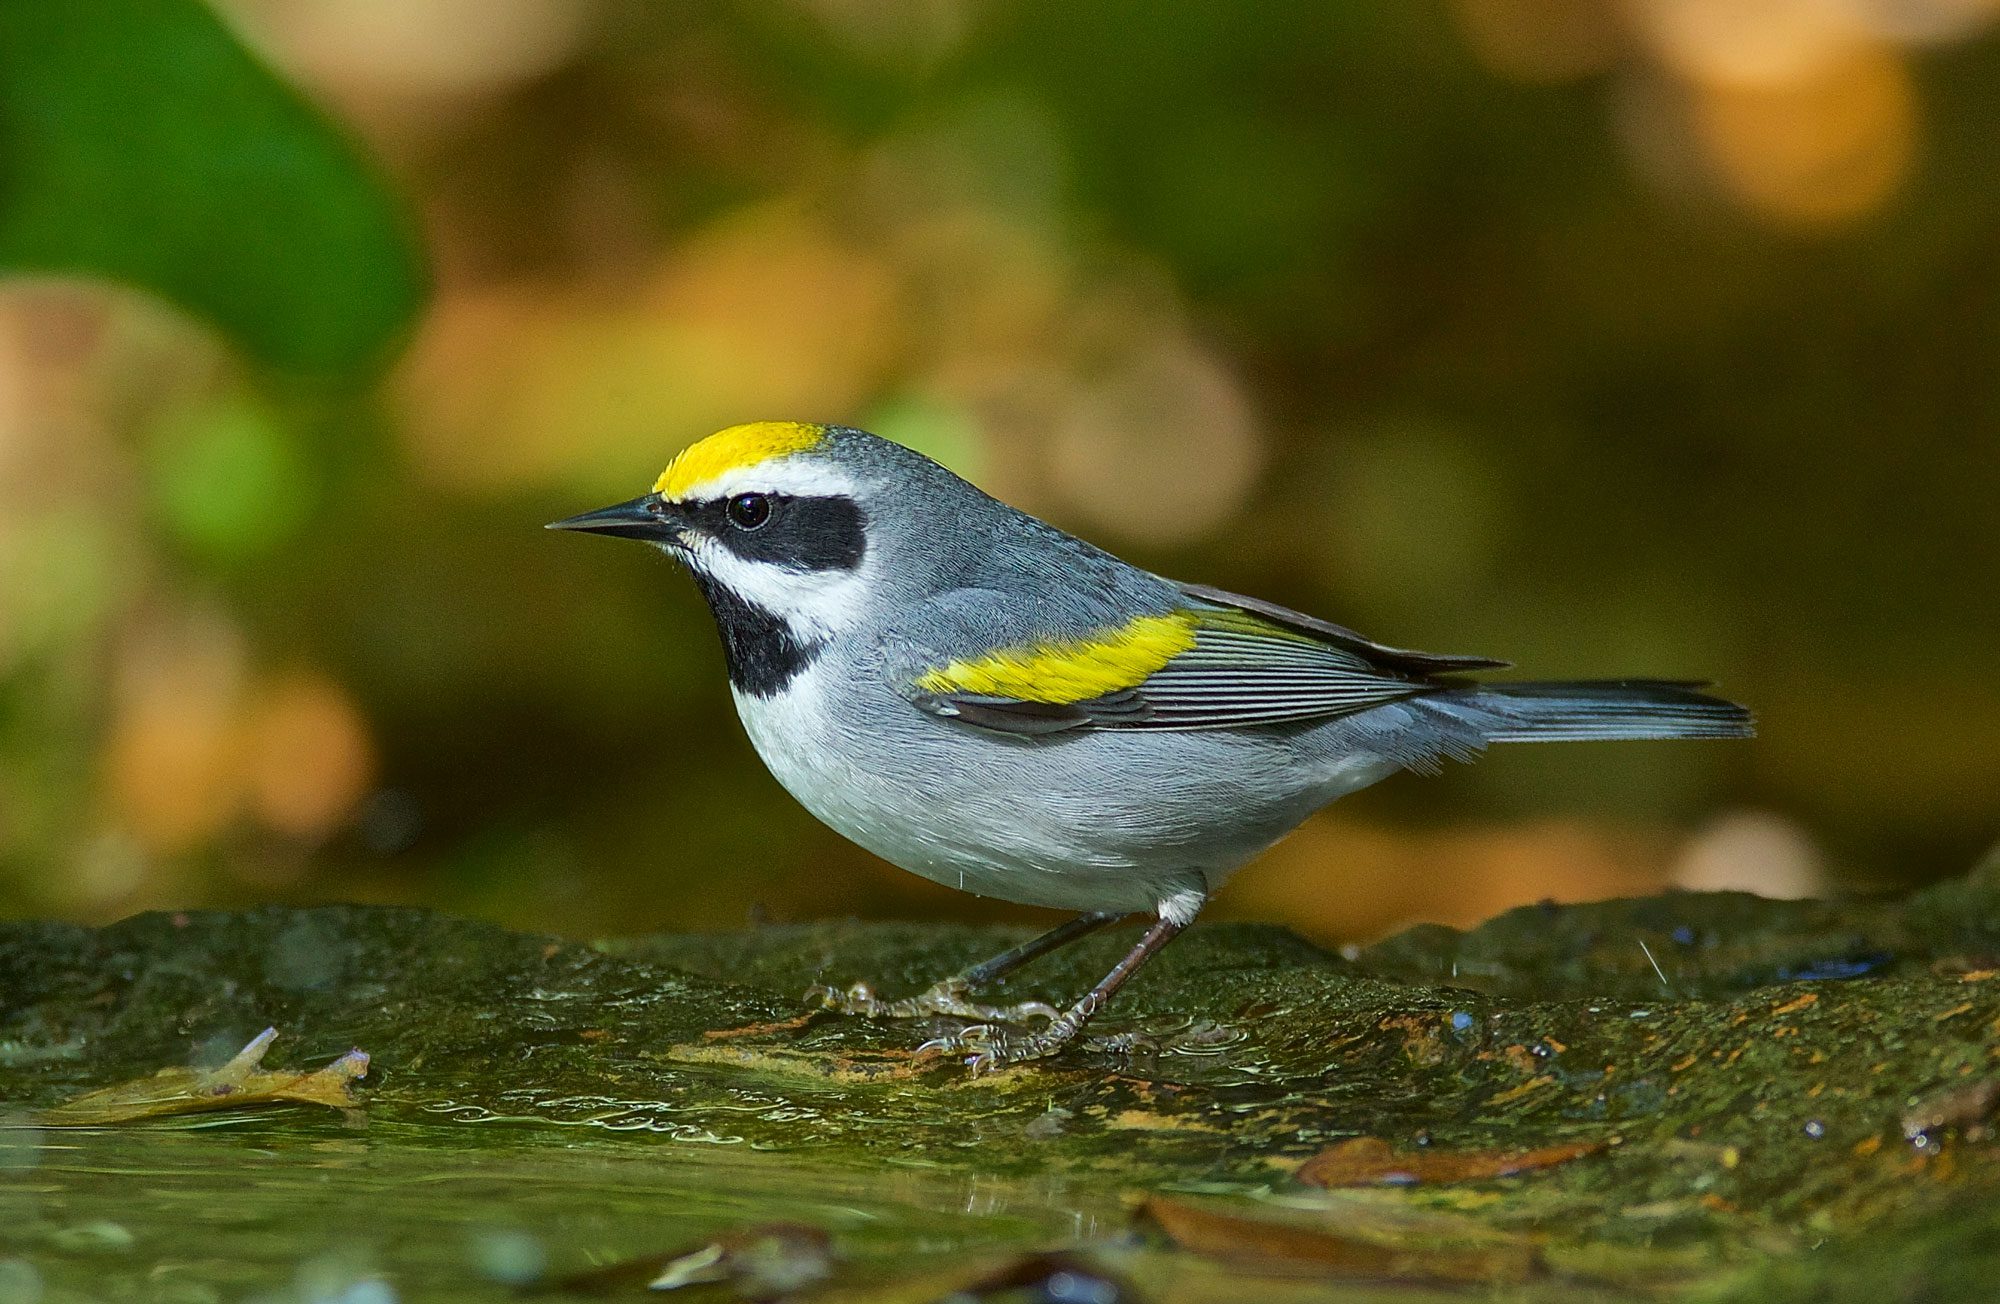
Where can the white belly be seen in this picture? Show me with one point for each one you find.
(1101, 820)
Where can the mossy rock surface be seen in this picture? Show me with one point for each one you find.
(1722, 1092)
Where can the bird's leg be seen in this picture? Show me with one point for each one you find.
(951, 996)
(994, 1048)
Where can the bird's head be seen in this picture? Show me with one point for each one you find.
(789, 528)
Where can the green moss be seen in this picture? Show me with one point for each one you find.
(1752, 1128)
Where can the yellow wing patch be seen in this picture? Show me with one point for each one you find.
(734, 448)
(1070, 670)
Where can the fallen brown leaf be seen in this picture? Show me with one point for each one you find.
(1371, 1161)
(1318, 1246)
(242, 1081)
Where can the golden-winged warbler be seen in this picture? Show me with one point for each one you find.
(994, 704)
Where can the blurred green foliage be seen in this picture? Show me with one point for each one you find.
(140, 141)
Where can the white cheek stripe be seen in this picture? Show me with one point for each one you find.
(815, 604)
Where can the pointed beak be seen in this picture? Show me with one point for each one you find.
(648, 519)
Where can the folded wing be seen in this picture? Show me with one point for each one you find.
(1220, 662)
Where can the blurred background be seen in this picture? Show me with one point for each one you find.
(1611, 336)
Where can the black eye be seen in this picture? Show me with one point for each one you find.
(749, 511)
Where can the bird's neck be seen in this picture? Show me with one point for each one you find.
(763, 652)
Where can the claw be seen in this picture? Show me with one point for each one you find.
(1019, 1012)
(950, 1042)
(993, 1039)
(995, 1049)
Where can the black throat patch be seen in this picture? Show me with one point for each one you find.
(806, 534)
(762, 652)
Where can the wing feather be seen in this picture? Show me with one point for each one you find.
(1222, 662)
(1398, 659)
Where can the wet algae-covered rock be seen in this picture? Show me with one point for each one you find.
(1720, 1096)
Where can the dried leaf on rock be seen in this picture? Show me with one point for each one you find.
(242, 1081)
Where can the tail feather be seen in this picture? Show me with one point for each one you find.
(1586, 710)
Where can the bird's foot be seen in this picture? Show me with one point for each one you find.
(950, 998)
(994, 1048)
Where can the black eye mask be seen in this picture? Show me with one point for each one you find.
(811, 534)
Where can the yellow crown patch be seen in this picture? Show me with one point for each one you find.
(1070, 670)
(732, 449)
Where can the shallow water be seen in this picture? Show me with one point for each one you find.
(301, 1207)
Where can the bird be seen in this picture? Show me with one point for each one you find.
(993, 703)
